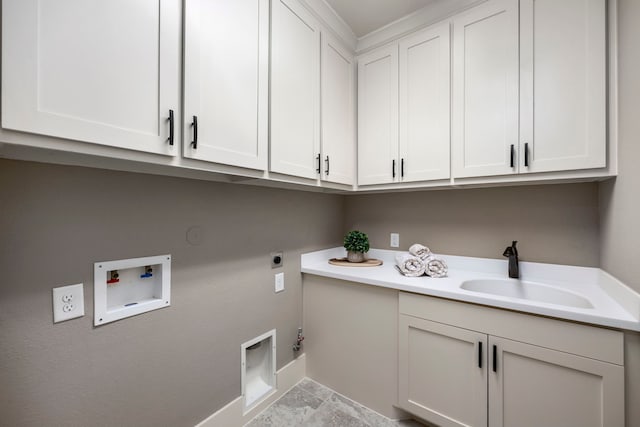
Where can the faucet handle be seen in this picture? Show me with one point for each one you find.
(511, 250)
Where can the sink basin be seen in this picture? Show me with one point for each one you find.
(529, 291)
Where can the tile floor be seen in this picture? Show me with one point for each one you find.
(310, 404)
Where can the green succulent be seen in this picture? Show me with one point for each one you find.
(356, 241)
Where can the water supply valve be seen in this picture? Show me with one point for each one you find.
(148, 272)
(113, 277)
(298, 345)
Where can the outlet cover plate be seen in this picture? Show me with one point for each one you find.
(68, 302)
(394, 240)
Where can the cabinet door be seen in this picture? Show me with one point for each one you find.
(295, 90)
(442, 373)
(105, 72)
(485, 90)
(563, 85)
(226, 81)
(424, 109)
(338, 112)
(535, 386)
(378, 116)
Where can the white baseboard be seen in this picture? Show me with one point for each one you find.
(232, 414)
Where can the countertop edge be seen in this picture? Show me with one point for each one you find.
(314, 263)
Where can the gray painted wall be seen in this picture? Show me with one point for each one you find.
(552, 223)
(620, 199)
(170, 367)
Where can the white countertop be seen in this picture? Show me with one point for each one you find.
(614, 304)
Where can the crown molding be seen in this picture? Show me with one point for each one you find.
(424, 17)
(332, 21)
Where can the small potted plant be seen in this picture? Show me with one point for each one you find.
(356, 243)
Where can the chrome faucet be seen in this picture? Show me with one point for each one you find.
(512, 253)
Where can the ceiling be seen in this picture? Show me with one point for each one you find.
(364, 16)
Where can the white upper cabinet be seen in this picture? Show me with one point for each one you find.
(226, 81)
(485, 90)
(312, 133)
(562, 85)
(295, 90)
(378, 116)
(338, 112)
(404, 109)
(105, 72)
(503, 91)
(424, 106)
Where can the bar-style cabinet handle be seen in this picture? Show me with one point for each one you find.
(327, 163)
(495, 358)
(402, 167)
(194, 124)
(526, 154)
(393, 168)
(318, 160)
(171, 127)
(513, 154)
(479, 354)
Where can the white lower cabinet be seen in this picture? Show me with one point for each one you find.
(442, 372)
(466, 365)
(531, 386)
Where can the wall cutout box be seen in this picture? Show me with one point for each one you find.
(129, 287)
(258, 375)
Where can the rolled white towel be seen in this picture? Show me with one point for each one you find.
(409, 265)
(421, 251)
(436, 268)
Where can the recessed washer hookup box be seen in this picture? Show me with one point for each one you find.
(129, 287)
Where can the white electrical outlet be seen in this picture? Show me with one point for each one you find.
(68, 302)
(395, 240)
(279, 282)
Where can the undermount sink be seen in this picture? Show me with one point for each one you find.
(529, 291)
